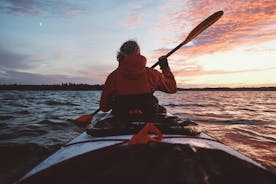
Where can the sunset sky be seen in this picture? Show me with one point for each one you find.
(58, 41)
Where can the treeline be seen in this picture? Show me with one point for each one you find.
(63, 86)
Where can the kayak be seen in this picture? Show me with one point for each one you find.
(184, 154)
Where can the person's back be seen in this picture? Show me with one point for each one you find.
(129, 89)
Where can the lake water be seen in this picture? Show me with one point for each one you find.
(33, 124)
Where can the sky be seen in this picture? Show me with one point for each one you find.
(62, 41)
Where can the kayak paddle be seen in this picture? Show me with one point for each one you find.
(86, 119)
(196, 31)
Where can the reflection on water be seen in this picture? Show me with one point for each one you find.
(251, 140)
(244, 120)
(35, 123)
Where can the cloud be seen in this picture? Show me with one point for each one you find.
(134, 17)
(11, 60)
(19, 7)
(34, 7)
(244, 22)
(16, 77)
(132, 21)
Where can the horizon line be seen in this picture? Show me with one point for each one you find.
(74, 86)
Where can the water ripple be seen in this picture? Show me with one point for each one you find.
(6, 117)
(55, 103)
(37, 120)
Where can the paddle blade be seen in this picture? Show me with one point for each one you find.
(83, 120)
(196, 31)
(203, 25)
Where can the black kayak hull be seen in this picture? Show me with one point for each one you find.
(178, 158)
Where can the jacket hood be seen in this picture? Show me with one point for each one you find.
(132, 66)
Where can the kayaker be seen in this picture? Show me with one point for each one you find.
(128, 90)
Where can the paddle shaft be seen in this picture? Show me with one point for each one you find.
(196, 31)
(95, 112)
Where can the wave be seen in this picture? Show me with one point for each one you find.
(16, 149)
(17, 104)
(54, 103)
(256, 134)
(24, 112)
(16, 159)
(13, 133)
(6, 117)
(51, 124)
(270, 111)
(3, 125)
(247, 109)
(230, 121)
(189, 105)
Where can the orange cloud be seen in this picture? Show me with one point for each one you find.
(244, 22)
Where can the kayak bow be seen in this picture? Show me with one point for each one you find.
(184, 155)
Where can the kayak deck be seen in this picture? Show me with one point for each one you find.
(111, 160)
(102, 156)
(85, 143)
(174, 160)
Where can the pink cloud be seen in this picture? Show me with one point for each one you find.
(134, 17)
(132, 21)
(243, 22)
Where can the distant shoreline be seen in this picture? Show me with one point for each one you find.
(55, 87)
(96, 87)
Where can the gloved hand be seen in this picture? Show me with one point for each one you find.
(163, 62)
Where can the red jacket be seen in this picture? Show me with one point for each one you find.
(132, 77)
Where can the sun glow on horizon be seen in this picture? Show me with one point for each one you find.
(243, 66)
(261, 56)
(245, 79)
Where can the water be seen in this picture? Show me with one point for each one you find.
(33, 124)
